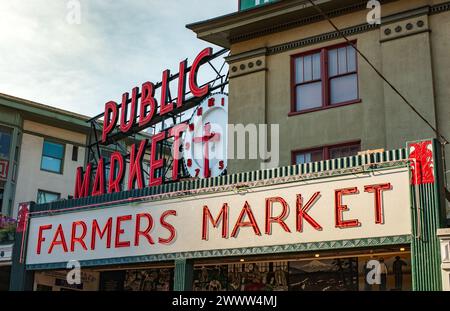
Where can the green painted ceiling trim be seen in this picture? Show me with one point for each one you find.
(48, 113)
(277, 249)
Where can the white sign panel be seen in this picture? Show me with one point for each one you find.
(342, 208)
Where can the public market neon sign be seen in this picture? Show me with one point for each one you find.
(140, 112)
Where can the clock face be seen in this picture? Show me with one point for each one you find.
(205, 140)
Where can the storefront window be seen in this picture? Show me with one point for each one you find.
(385, 272)
(365, 273)
(324, 275)
(263, 276)
(147, 280)
(57, 281)
(395, 273)
(160, 280)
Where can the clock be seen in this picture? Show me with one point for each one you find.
(205, 140)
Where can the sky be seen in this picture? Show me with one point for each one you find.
(52, 55)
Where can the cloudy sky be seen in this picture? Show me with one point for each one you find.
(119, 44)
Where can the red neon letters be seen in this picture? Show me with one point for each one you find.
(129, 122)
(84, 236)
(302, 212)
(278, 219)
(143, 230)
(148, 104)
(378, 191)
(341, 208)
(117, 169)
(305, 213)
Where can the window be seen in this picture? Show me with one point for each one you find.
(5, 143)
(324, 79)
(52, 157)
(326, 153)
(344, 151)
(75, 153)
(308, 82)
(309, 156)
(47, 197)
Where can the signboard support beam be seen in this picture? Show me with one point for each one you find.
(184, 275)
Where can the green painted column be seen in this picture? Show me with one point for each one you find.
(428, 214)
(184, 275)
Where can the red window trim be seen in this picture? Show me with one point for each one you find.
(325, 150)
(323, 77)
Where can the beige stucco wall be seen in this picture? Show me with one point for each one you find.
(30, 177)
(55, 132)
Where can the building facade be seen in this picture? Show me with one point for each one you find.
(289, 67)
(40, 147)
(326, 218)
